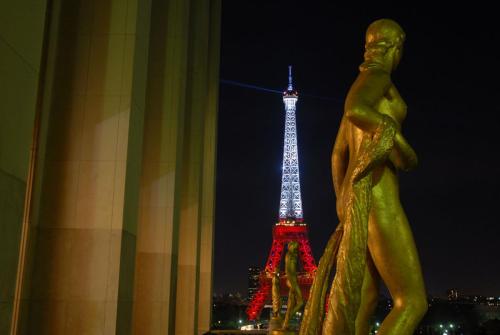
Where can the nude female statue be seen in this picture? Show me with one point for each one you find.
(373, 240)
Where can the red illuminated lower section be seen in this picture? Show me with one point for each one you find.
(282, 234)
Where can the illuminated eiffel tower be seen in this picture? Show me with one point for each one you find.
(291, 226)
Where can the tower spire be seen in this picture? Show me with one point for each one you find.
(290, 86)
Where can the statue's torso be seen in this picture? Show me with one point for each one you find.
(386, 186)
(393, 105)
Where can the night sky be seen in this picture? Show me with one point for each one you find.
(449, 78)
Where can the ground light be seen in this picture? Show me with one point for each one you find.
(447, 329)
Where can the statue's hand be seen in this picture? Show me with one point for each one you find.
(403, 156)
(395, 159)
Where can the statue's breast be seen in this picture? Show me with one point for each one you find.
(392, 104)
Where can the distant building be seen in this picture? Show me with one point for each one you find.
(452, 294)
(253, 281)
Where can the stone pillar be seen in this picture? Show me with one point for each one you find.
(77, 229)
(22, 26)
(207, 199)
(119, 236)
(172, 285)
(164, 116)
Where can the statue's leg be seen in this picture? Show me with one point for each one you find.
(393, 250)
(299, 301)
(369, 297)
(289, 309)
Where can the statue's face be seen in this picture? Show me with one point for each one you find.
(390, 36)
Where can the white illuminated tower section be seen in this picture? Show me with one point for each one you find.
(291, 201)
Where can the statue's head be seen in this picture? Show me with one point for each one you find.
(293, 246)
(384, 44)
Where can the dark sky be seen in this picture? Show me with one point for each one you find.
(449, 78)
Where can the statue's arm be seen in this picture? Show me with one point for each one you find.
(370, 86)
(340, 159)
(403, 156)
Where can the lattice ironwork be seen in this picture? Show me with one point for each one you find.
(282, 235)
(290, 226)
(290, 200)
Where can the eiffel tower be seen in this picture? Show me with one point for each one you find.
(291, 225)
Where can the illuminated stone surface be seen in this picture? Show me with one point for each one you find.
(120, 232)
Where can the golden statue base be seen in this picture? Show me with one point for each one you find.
(283, 332)
(275, 324)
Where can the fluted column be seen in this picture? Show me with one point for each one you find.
(22, 33)
(77, 227)
(172, 286)
(116, 228)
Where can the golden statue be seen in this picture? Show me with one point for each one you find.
(276, 295)
(295, 301)
(373, 240)
(276, 318)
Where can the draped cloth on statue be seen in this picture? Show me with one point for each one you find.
(347, 247)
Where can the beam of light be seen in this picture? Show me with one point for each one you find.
(254, 87)
(270, 90)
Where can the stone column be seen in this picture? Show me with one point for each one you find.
(22, 28)
(172, 285)
(77, 235)
(164, 118)
(208, 173)
(119, 226)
